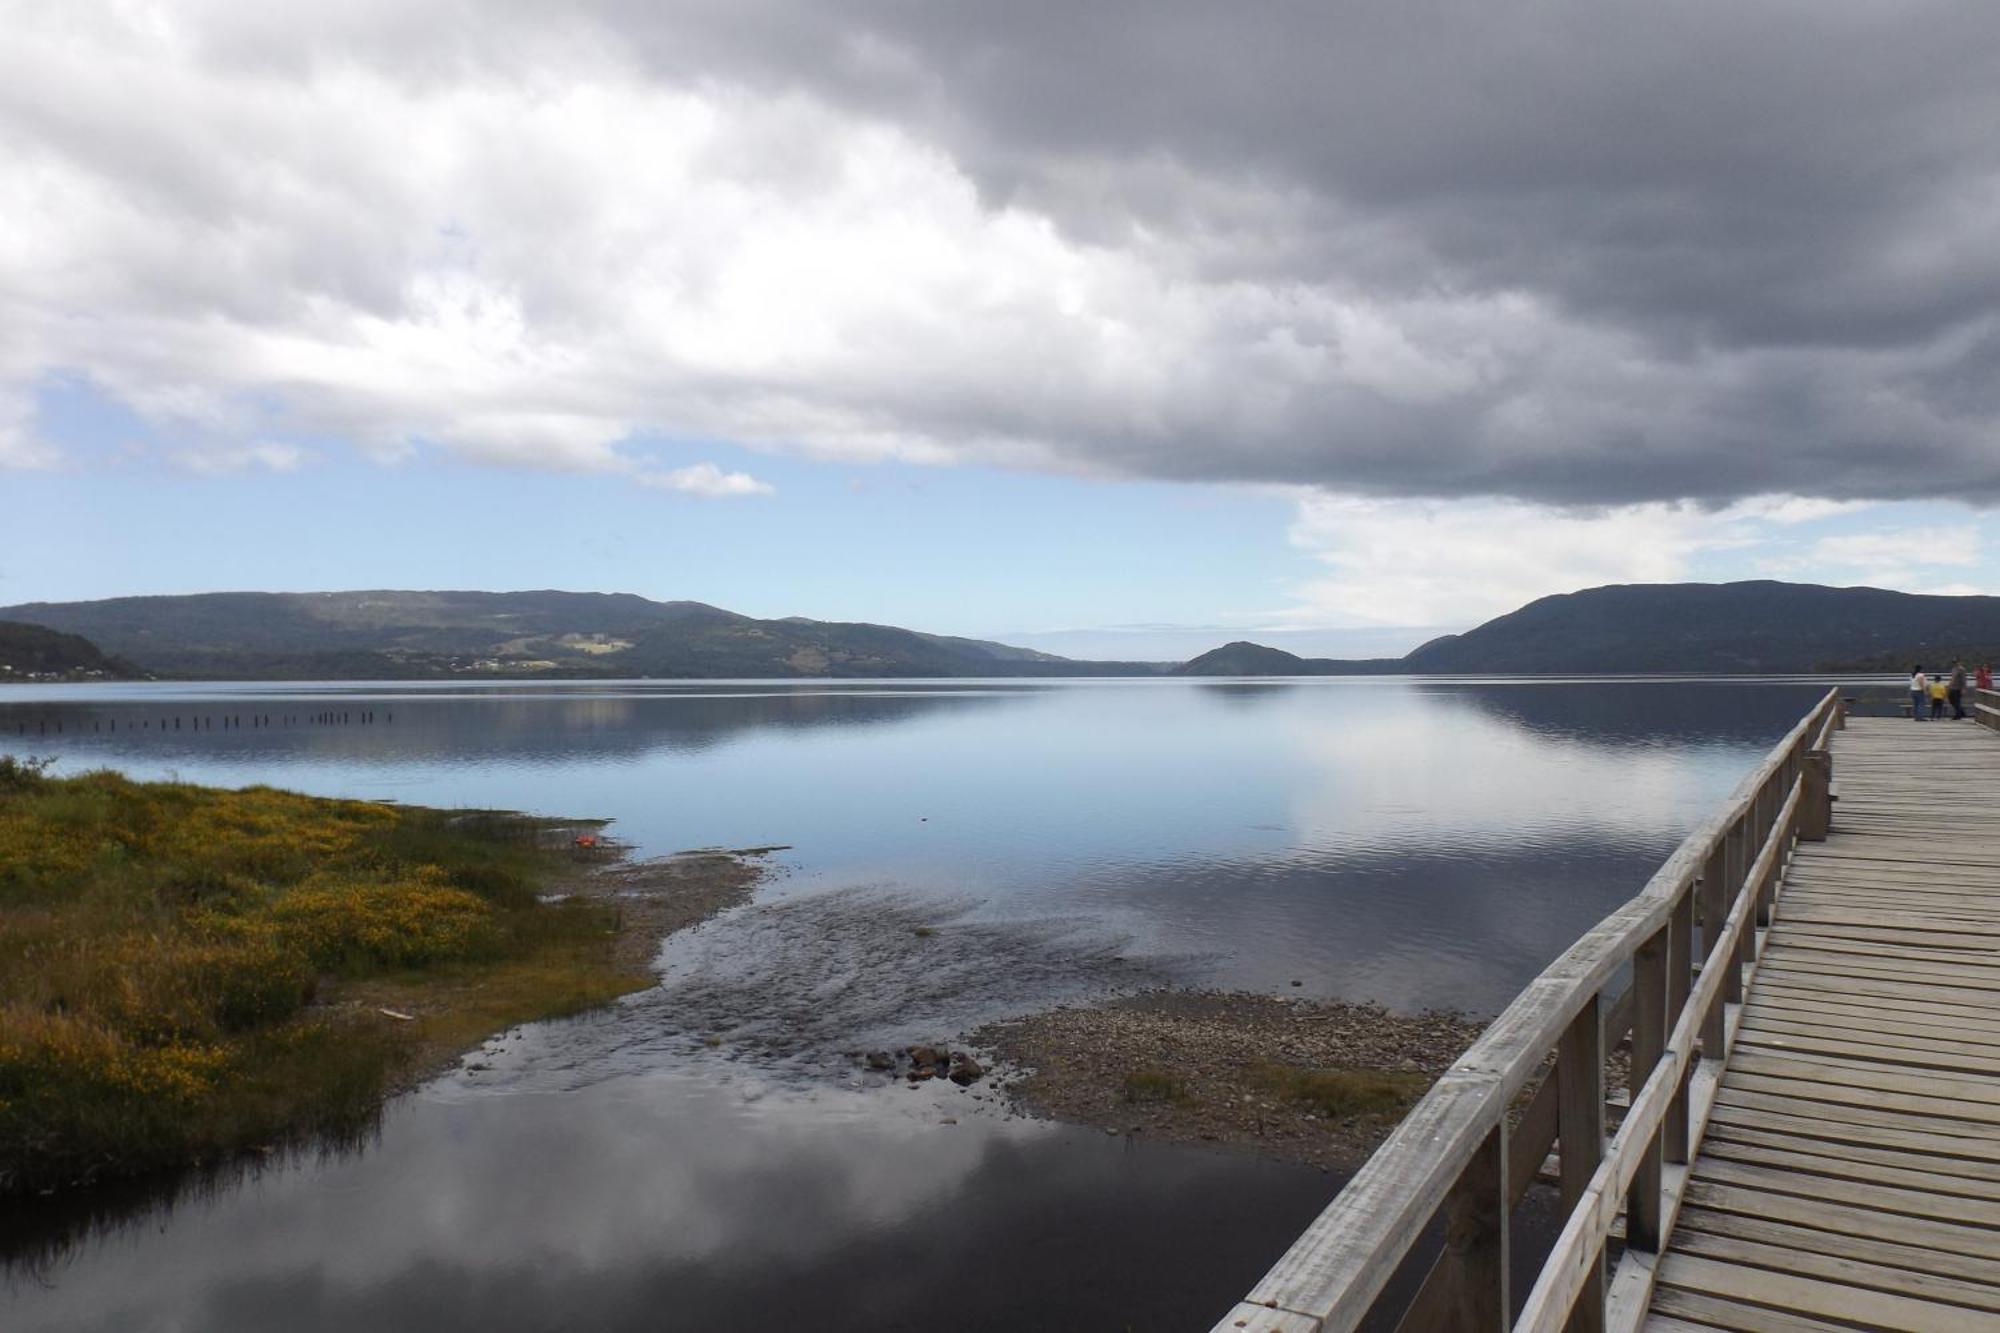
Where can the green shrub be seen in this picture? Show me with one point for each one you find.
(409, 922)
(160, 944)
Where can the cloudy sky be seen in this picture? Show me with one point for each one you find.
(1084, 324)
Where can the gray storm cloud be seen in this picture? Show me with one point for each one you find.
(1573, 253)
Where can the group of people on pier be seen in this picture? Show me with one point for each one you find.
(1929, 694)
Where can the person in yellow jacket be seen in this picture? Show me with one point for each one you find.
(1937, 698)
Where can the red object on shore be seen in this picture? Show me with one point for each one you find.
(586, 840)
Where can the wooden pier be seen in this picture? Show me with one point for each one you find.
(1809, 1137)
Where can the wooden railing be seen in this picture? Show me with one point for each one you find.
(1469, 1151)
(1984, 705)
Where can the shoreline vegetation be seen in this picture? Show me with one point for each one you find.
(1307, 1081)
(190, 974)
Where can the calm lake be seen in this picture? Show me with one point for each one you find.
(1418, 843)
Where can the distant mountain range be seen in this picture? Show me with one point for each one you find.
(431, 635)
(1759, 626)
(1682, 627)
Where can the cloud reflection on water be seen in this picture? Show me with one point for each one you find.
(665, 1203)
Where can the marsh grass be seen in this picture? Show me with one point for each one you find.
(1344, 1094)
(186, 972)
(1155, 1085)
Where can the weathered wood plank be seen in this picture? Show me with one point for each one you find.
(1738, 1318)
(1878, 1199)
(1813, 1297)
(1906, 1039)
(1859, 1074)
(1843, 1219)
(1968, 1176)
(1786, 1098)
(1789, 1258)
(1852, 1155)
(1941, 1056)
(1816, 1240)
(1580, 1135)
(1247, 1318)
(1816, 1092)
(1834, 1162)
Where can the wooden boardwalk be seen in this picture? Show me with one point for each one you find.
(1850, 1172)
(1807, 992)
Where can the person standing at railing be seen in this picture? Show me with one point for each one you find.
(1982, 679)
(1920, 692)
(1937, 698)
(1956, 692)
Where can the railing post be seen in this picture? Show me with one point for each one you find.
(1714, 909)
(1680, 984)
(1475, 1238)
(1741, 855)
(1580, 1131)
(1816, 799)
(1770, 800)
(1649, 1043)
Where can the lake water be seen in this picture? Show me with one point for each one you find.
(1419, 843)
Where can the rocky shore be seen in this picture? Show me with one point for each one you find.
(1307, 1081)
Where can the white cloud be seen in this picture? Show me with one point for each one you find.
(1918, 558)
(704, 479)
(1791, 509)
(20, 448)
(529, 237)
(1956, 544)
(223, 460)
(1460, 562)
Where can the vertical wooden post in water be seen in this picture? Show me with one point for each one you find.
(1580, 1130)
(1475, 1238)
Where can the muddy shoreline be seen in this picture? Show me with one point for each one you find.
(1300, 1080)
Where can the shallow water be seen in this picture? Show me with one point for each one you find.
(1416, 843)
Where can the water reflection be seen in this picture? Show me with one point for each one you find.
(1416, 843)
(661, 1203)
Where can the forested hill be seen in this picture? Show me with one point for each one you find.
(35, 652)
(1692, 627)
(1760, 626)
(424, 635)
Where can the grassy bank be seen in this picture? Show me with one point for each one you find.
(187, 972)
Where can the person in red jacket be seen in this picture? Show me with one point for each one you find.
(1982, 679)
